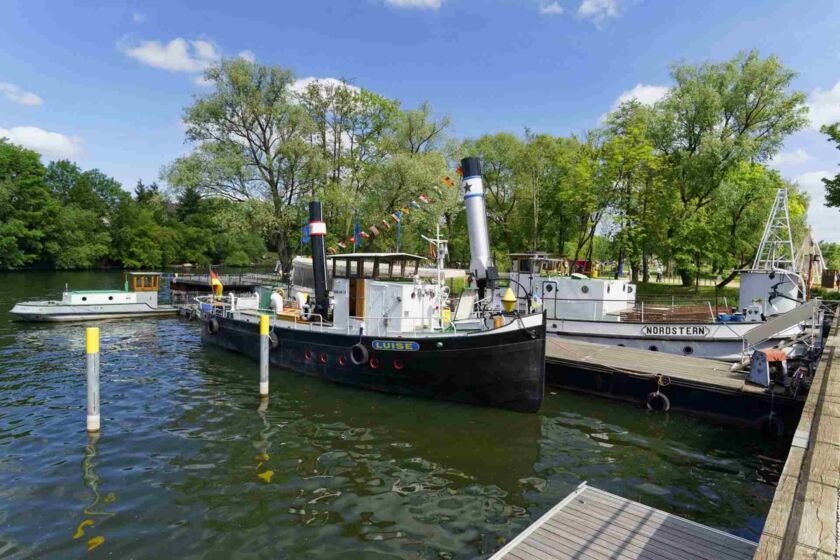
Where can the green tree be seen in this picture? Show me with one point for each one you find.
(26, 206)
(716, 116)
(832, 186)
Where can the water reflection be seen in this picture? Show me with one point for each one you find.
(187, 446)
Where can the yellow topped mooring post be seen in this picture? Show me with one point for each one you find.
(264, 334)
(92, 347)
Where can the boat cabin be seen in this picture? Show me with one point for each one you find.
(143, 281)
(536, 262)
(568, 297)
(375, 266)
(381, 292)
(140, 287)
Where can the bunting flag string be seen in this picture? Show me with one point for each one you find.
(396, 217)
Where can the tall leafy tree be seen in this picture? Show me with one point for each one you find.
(832, 186)
(716, 116)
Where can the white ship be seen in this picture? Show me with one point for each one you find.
(139, 298)
(605, 311)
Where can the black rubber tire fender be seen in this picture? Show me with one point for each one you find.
(273, 341)
(658, 401)
(359, 354)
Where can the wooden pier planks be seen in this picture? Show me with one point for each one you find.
(643, 362)
(591, 524)
(804, 519)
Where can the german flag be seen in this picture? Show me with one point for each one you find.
(215, 284)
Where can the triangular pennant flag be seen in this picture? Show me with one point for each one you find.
(363, 235)
(414, 204)
(396, 216)
(374, 230)
(332, 250)
(342, 244)
(424, 198)
(386, 224)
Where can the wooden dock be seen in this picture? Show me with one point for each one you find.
(690, 384)
(804, 519)
(591, 524)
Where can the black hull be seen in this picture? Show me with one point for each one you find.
(503, 370)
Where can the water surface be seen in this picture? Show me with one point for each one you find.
(189, 464)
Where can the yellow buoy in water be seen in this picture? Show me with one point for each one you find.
(509, 300)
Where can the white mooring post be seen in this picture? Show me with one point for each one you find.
(264, 320)
(92, 346)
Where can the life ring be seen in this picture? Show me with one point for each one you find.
(273, 341)
(658, 401)
(306, 312)
(772, 425)
(213, 325)
(359, 354)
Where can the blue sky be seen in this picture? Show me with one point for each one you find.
(105, 84)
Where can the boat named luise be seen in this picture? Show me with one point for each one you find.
(386, 329)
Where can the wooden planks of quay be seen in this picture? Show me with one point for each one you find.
(696, 385)
(804, 518)
(633, 361)
(591, 524)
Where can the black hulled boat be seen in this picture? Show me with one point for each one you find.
(386, 330)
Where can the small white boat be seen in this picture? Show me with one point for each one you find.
(139, 298)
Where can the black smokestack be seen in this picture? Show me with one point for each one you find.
(317, 231)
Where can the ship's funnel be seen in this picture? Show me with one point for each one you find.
(481, 263)
(317, 232)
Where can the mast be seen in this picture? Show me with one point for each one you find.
(776, 248)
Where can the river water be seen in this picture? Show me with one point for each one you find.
(188, 466)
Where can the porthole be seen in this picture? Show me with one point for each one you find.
(653, 348)
(342, 361)
(621, 345)
(688, 350)
(322, 358)
(398, 365)
(373, 363)
(549, 288)
(608, 288)
(84, 298)
(110, 298)
(584, 289)
(307, 355)
(629, 289)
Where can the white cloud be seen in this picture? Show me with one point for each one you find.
(824, 106)
(645, 94)
(17, 95)
(598, 10)
(300, 85)
(51, 145)
(822, 219)
(553, 9)
(416, 4)
(247, 55)
(791, 158)
(178, 55)
(137, 17)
